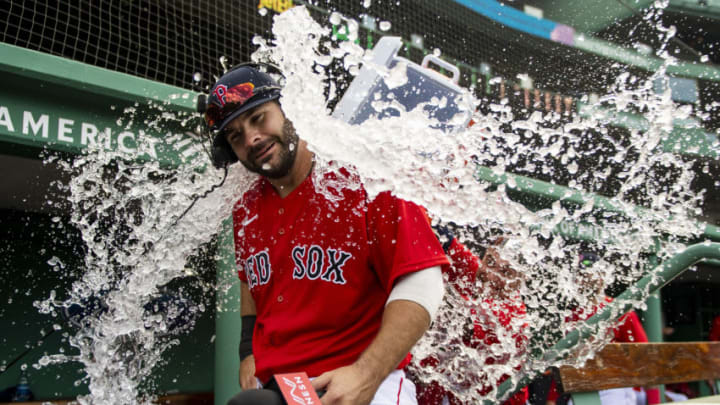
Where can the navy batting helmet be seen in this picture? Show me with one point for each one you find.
(244, 87)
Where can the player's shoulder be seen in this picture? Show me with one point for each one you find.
(337, 182)
(343, 172)
(386, 200)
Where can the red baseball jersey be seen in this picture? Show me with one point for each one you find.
(321, 266)
(715, 330)
(627, 329)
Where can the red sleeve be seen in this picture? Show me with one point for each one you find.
(553, 392)
(401, 240)
(520, 398)
(715, 330)
(462, 268)
(630, 329)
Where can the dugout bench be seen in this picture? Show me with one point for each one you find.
(620, 365)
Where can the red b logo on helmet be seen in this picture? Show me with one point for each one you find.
(219, 92)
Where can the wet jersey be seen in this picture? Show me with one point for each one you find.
(320, 267)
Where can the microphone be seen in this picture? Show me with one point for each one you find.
(257, 397)
(283, 389)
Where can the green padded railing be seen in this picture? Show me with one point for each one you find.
(541, 189)
(653, 281)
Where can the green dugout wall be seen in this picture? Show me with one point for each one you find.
(55, 104)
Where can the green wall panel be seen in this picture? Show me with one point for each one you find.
(61, 105)
(65, 106)
(30, 241)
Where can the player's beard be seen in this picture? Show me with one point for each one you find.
(287, 143)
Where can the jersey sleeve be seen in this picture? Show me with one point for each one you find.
(553, 393)
(462, 269)
(630, 329)
(400, 239)
(715, 330)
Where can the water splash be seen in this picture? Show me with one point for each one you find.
(127, 209)
(648, 206)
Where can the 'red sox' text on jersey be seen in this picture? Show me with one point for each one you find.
(320, 268)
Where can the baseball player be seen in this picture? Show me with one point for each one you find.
(338, 286)
(627, 329)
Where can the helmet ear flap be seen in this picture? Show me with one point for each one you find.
(221, 152)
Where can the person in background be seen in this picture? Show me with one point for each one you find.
(497, 276)
(628, 329)
(714, 335)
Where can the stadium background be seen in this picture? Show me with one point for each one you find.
(177, 42)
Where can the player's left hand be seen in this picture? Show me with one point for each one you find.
(350, 385)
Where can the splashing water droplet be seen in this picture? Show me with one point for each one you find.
(385, 25)
(266, 166)
(353, 27)
(197, 77)
(335, 18)
(572, 168)
(263, 11)
(54, 261)
(258, 40)
(367, 3)
(224, 63)
(397, 76)
(437, 52)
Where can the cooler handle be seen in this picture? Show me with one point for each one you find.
(446, 65)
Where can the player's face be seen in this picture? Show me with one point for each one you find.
(264, 140)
